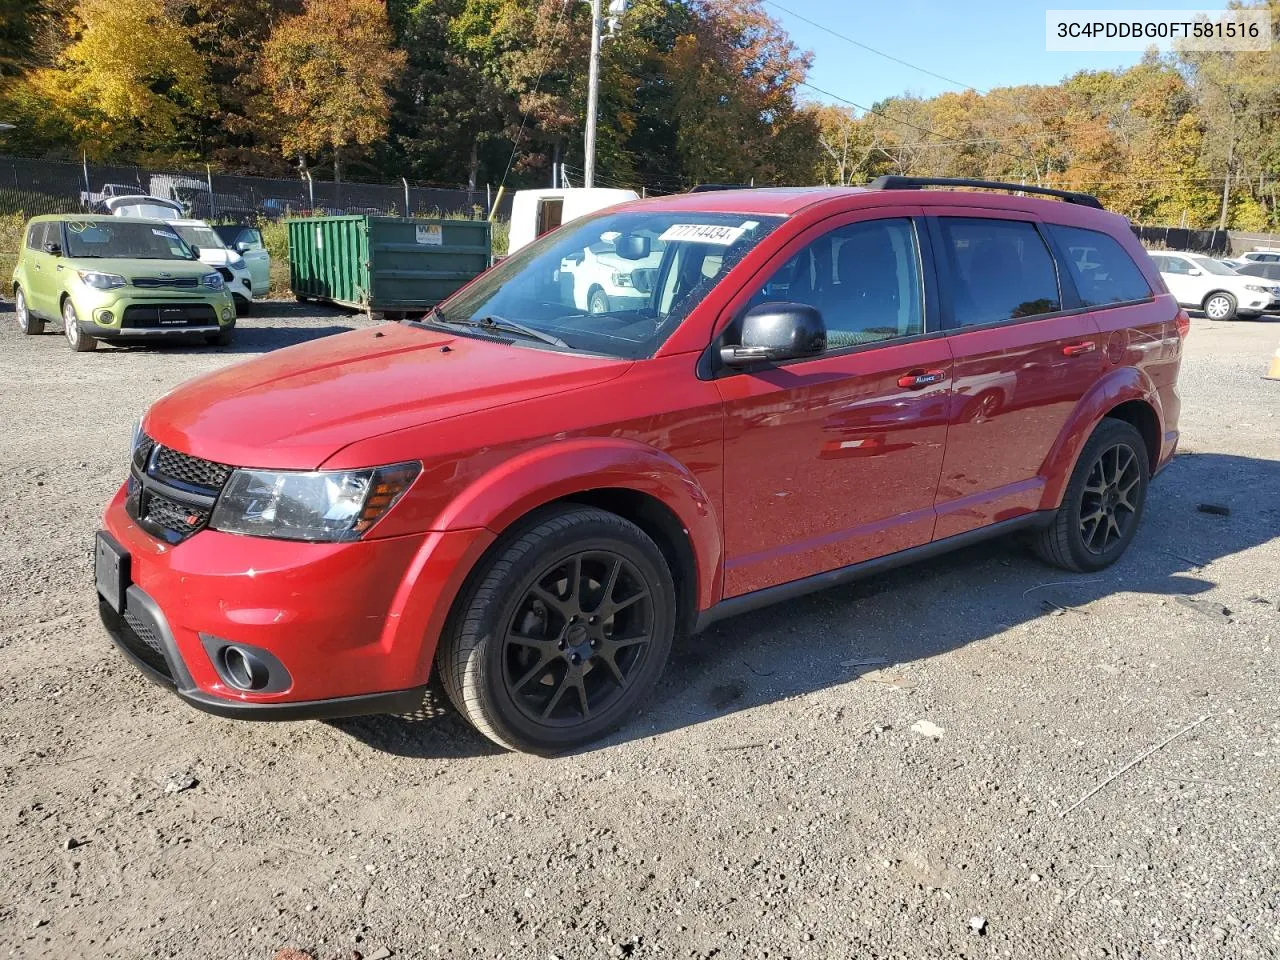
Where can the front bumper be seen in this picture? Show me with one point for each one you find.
(353, 625)
(102, 313)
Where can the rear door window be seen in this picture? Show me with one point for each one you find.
(1103, 272)
(1000, 270)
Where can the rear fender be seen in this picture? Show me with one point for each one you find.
(1119, 386)
(558, 470)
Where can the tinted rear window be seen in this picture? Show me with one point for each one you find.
(1104, 273)
(1001, 270)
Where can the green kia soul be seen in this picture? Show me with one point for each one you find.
(112, 278)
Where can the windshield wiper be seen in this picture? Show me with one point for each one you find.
(510, 326)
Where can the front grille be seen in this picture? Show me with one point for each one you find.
(170, 464)
(191, 484)
(169, 315)
(183, 519)
(152, 283)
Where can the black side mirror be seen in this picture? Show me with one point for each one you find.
(54, 249)
(777, 331)
(195, 251)
(632, 247)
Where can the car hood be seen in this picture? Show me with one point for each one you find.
(297, 407)
(139, 268)
(216, 257)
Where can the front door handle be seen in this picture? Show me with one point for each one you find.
(916, 379)
(1079, 349)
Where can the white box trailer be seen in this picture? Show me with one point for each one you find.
(535, 212)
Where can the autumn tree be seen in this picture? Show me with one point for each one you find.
(325, 74)
(128, 77)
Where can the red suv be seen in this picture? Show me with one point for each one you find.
(786, 389)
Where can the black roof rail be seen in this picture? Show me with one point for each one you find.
(914, 183)
(709, 187)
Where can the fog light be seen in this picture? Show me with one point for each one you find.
(105, 316)
(228, 313)
(243, 669)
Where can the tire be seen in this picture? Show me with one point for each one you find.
(1071, 541)
(520, 654)
(243, 305)
(597, 301)
(1219, 305)
(223, 338)
(77, 339)
(28, 322)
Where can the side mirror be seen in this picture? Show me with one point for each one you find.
(1194, 272)
(55, 249)
(244, 246)
(632, 247)
(772, 332)
(195, 251)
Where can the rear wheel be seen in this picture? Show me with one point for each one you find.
(1103, 503)
(562, 633)
(28, 323)
(79, 341)
(1220, 306)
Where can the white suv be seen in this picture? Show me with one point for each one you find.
(1205, 284)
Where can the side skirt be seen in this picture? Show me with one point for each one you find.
(736, 606)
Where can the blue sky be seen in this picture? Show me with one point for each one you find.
(983, 43)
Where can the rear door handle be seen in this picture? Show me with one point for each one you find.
(916, 379)
(1079, 349)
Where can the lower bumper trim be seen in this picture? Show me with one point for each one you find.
(111, 333)
(393, 701)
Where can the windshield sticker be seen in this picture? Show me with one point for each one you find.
(430, 234)
(164, 233)
(750, 224)
(702, 233)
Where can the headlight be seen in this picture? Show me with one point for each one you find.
(621, 279)
(324, 505)
(236, 263)
(100, 281)
(212, 280)
(1259, 289)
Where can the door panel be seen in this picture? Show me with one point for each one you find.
(1017, 377)
(830, 462)
(834, 460)
(1015, 387)
(42, 274)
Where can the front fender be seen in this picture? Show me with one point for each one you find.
(1119, 386)
(536, 477)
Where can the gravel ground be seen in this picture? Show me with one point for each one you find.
(776, 799)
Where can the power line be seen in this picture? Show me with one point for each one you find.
(870, 49)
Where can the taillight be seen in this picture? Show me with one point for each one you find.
(1183, 320)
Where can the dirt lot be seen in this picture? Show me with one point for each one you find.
(772, 801)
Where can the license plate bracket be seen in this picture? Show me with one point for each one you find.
(111, 570)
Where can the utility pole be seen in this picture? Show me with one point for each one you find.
(593, 96)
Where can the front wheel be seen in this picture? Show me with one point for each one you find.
(562, 632)
(1103, 503)
(1220, 306)
(77, 339)
(597, 301)
(28, 323)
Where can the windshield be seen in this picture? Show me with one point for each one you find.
(615, 283)
(201, 237)
(129, 240)
(1213, 266)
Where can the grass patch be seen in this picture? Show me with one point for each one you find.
(12, 227)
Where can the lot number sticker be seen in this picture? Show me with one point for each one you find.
(430, 234)
(702, 233)
(319, 239)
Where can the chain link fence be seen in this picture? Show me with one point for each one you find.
(33, 187)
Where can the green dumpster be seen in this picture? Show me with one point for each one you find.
(384, 264)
